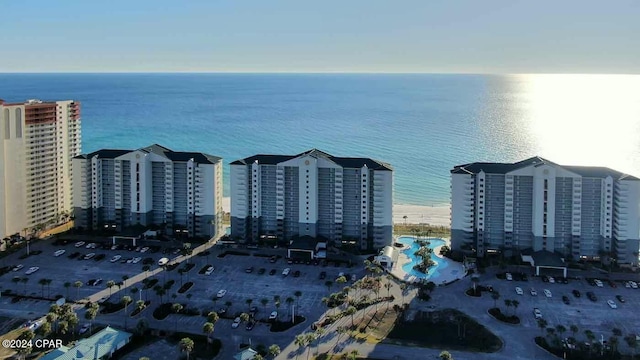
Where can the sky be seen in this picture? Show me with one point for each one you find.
(463, 36)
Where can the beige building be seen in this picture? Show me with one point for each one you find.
(39, 139)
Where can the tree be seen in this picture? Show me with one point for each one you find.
(297, 294)
(561, 329)
(300, 341)
(574, 329)
(248, 302)
(176, 308)
(63, 327)
(110, 285)
(45, 329)
(124, 280)
(542, 324)
(16, 280)
(405, 220)
(328, 284)
(507, 303)
(77, 285)
(309, 339)
(632, 342)
(207, 328)
(274, 350)
(257, 357)
(353, 355)
(264, 302)
(48, 283)
(186, 345)
(67, 285)
(25, 280)
(515, 304)
(90, 315)
(244, 317)
(42, 282)
(495, 296)
(126, 300)
(213, 317)
(351, 310)
(445, 355)
(140, 305)
(160, 291)
(289, 300)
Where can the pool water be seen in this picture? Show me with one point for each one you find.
(434, 272)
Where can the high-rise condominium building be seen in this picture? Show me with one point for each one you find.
(39, 140)
(576, 211)
(312, 194)
(181, 192)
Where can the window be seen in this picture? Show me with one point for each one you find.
(19, 123)
(137, 167)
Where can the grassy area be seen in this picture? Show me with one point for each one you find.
(422, 230)
(11, 335)
(448, 329)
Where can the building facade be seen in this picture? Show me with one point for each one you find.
(178, 191)
(342, 200)
(577, 211)
(39, 139)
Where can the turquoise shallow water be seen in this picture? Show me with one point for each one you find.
(422, 124)
(433, 272)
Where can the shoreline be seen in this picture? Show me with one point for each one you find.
(415, 214)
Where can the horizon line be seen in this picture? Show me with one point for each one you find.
(308, 72)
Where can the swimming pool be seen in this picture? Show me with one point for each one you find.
(434, 272)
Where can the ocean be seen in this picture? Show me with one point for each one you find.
(422, 124)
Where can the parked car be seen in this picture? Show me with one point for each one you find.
(273, 259)
(250, 325)
(32, 270)
(91, 246)
(209, 270)
(249, 270)
(537, 313)
(136, 260)
(612, 284)
(18, 267)
(576, 293)
(273, 315)
(84, 329)
(236, 323)
(272, 272)
(221, 293)
(612, 304)
(565, 299)
(89, 256)
(144, 249)
(97, 282)
(509, 277)
(222, 310)
(552, 280)
(634, 285)
(544, 278)
(296, 273)
(115, 258)
(592, 296)
(262, 271)
(547, 293)
(519, 290)
(80, 244)
(286, 272)
(58, 253)
(99, 257)
(620, 298)
(323, 275)
(164, 261)
(534, 292)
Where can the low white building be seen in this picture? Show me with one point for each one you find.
(387, 258)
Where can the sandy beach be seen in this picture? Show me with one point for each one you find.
(432, 215)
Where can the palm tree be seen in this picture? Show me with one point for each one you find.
(328, 284)
(139, 306)
(160, 291)
(274, 350)
(309, 339)
(353, 355)
(213, 317)
(52, 318)
(42, 282)
(90, 315)
(48, 282)
(244, 317)
(507, 303)
(542, 324)
(515, 304)
(110, 285)
(248, 302)
(176, 308)
(16, 280)
(264, 302)
(207, 328)
(613, 342)
(67, 285)
(574, 329)
(257, 357)
(289, 300)
(405, 220)
(300, 341)
(495, 296)
(25, 280)
(298, 294)
(632, 342)
(560, 329)
(186, 345)
(445, 355)
(351, 310)
(228, 304)
(126, 300)
(124, 280)
(77, 285)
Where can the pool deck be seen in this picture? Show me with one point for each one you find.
(453, 272)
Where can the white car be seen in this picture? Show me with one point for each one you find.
(534, 292)
(509, 276)
(91, 246)
(537, 313)
(80, 244)
(89, 256)
(221, 293)
(612, 304)
(273, 315)
(547, 293)
(84, 329)
(144, 249)
(286, 272)
(58, 253)
(114, 247)
(103, 299)
(115, 258)
(519, 290)
(32, 270)
(599, 283)
(552, 280)
(236, 322)
(136, 260)
(18, 267)
(627, 285)
(209, 270)
(634, 285)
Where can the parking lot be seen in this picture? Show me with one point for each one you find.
(596, 316)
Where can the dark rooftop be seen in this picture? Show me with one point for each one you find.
(197, 157)
(346, 162)
(545, 258)
(503, 168)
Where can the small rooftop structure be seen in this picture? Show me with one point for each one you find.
(246, 354)
(101, 345)
(544, 259)
(307, 248)
(387, 258)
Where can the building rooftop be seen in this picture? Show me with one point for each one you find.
(545, 258)
(160, 150)
(346, 162)
(95, 347)
(503, 168)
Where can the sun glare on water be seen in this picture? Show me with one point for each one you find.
(585, 119)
